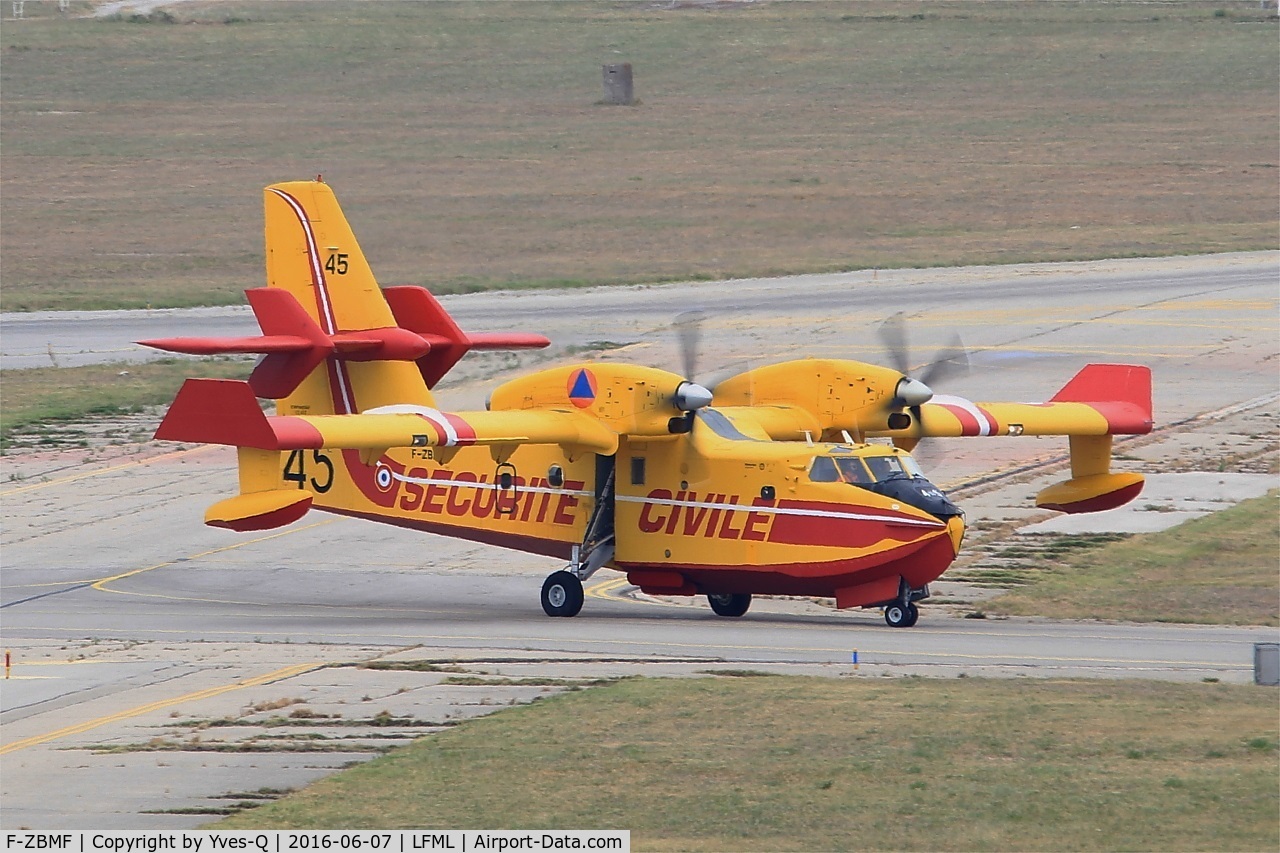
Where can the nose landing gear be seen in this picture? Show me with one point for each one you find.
(899, 615)
(902, 611)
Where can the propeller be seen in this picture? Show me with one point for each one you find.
(690, 396)
(948, 363)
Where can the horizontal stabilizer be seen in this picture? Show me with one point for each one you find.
(418, 311)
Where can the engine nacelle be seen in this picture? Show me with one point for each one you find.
(627, 398)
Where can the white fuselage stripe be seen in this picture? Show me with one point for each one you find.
(784, 510)
(471, 484)
(764, 510)
(322, 294)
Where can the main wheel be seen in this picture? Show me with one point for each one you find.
(730, 603)
(562, 594)
(899, 615)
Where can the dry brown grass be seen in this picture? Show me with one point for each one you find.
(839, 764)
(468, 148)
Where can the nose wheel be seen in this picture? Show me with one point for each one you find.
(899, 615)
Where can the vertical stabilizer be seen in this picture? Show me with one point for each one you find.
(312, 253)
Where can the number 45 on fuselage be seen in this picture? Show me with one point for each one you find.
(767, 486)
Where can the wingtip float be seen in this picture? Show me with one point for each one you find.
(767, 485)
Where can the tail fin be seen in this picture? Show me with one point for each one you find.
(335, 343)
(313, 254)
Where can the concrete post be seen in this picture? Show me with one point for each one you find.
(617, 84)
(1266, 664)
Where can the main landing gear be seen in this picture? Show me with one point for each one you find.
(562, 594)
(730, 603)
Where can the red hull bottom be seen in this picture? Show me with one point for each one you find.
(851, 584)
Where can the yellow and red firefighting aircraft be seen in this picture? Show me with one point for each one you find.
(773, 489)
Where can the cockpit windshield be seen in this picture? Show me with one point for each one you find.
(863, 471)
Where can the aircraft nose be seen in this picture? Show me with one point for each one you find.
(955, 529)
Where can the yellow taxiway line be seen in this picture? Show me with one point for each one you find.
(88, 725)
(100, 584)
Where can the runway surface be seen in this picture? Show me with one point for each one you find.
(122, 609)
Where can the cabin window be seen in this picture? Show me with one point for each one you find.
(637, 470)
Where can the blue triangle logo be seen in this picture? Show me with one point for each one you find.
(582, 389)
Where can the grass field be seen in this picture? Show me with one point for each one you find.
(37, 404)
(775, 763)
(467, 145)
(1219, 569)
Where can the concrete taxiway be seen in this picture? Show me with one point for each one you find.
(187, 656)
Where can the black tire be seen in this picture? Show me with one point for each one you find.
(898, 615)
(732, 604)
(562, 594)
(913, 615)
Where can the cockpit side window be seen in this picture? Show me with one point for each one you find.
(846, 469)
(824, 470)
(853, 471)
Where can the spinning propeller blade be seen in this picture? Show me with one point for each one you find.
(950, 362)
(690, 396)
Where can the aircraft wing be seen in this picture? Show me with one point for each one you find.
(954, 416)
(1102, 399)
(223, 411)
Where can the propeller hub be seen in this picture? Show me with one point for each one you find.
(913, 392)
(690, 396)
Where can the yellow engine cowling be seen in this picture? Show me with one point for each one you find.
(840, 394)
(629, 399)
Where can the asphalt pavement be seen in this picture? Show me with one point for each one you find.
(130, 622)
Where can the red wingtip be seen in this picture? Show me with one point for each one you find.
(217, 411)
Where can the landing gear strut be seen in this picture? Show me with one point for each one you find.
(562, 593)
